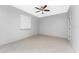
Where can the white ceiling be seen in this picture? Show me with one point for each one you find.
(54, 9)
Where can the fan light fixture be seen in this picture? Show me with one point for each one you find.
(42, 9)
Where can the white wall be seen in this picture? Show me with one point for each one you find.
(10, 31)
(10, 25)
(74, 14)
(55, 25)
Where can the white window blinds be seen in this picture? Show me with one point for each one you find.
(25, 22)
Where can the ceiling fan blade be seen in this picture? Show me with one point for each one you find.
(44, 6)
(37, 8)
(37, 11)
(46, 10)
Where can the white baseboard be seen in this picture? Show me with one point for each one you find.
(53, 36)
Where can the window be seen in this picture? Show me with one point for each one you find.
(25, 22)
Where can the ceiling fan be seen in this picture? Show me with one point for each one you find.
(42, 9)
